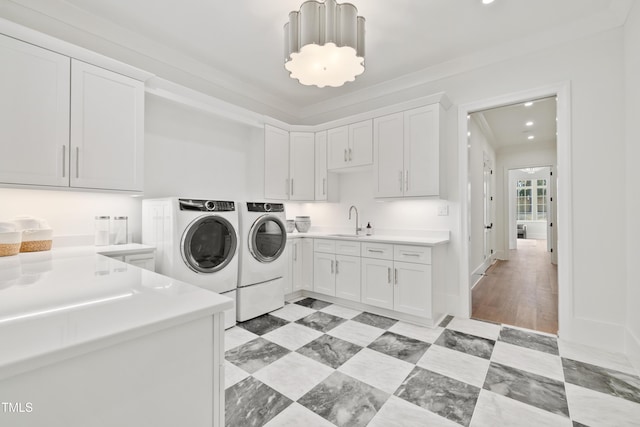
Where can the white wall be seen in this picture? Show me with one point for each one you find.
(479, 146)
(189, 153)
(71, 214)
(632, 230)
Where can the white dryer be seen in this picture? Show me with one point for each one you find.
(263, 238)
(196, 242)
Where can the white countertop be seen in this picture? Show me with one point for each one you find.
(65, 302)
(429, 239)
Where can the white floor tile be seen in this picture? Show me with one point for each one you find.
(536, 362)
(399, 412)
(340, 311)
(292, 336)
(422, 333)
(596, 356)
(496, 410)
(293, 375)
(292, 312)
(297, 415)
(598, 409)
(379, 370)
(236, 336)
(475, 327)
(356, 332)
(455, 364)
(233, 374)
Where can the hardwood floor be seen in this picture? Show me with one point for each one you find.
(522, 291)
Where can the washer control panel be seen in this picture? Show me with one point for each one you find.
(207, 205)
(265, 207)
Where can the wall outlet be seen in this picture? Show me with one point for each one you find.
(443, 210)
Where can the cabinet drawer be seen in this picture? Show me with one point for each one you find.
(416, 254)
(377, 250)
(344, 247)
(324, 245)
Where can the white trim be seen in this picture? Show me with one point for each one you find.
(565, 253)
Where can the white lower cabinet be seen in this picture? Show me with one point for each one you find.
(348, 277)
(144, 257)
(324, 276)
(377, 282)
(412, 289)
(336, 269)
(299, 274)
(146, 261)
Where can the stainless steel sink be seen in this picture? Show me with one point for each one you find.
(348, 235)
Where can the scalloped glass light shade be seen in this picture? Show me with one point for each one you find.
(324, 43)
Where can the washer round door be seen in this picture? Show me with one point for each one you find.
(208, 244)
(267, 238)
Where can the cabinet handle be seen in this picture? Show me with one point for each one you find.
(389, 275)
(64, 161)
(337, 267)
(324, 186)
(406, 180)
(396, 275)
(286, 186)
(410, 254)
(332, 267)
(345, 155)
(295, 252)
(376, 251)
(292, 186)
(400, 180)
(350, 158)
(77, 162)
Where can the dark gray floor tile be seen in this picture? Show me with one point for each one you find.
(344, 401)
(255, 355)
(437, 393)
(601, 379)
(330, 351)
(251, 403)
(320, 321)
(529, 340)
(313, 303)
(399, 346)
(536, 390)
(445, 322)
(470, 344)
(263, 324)
(375, 320)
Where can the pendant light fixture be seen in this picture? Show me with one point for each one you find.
(324, 43)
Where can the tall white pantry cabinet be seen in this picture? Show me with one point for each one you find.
(66, 123)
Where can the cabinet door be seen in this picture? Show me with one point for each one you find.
(301, 166)
(377, 282)
(321, 184)
(388, 166)
(34, 115)
(324, 281)
(276, 163)
(338, 147)
(107, 129)
(146, 261)
(360, 150)
(306, 251)
(348, 277)
(422, 151)
(412, 290)
(298, 265)
(287, 278)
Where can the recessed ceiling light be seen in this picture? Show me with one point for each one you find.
(530, 137)
(529, 123)
(487, 1)
(528, 104)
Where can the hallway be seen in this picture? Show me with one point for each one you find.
(522, 291)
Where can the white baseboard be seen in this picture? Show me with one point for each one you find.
(632, 349)
(607, 336)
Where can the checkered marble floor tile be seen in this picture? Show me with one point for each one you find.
(313, 363)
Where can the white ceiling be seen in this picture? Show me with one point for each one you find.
(234, 49)
(507, 125)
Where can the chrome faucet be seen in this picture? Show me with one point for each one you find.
(358, 229)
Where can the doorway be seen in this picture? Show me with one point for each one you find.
(515, 281)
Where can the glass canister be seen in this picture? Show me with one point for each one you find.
(120, 229)
(102, 230)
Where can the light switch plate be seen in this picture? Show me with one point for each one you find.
(443, 210)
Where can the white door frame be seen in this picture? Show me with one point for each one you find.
(564, 206)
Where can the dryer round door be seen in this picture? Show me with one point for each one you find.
(267, 238)
(208, 244)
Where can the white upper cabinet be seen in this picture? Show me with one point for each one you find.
(350, 146)
(34, 115)
(301, 166)
(107, 129)
(321, 175)
(407, 153)
(276, 163)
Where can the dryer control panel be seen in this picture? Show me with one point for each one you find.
(207, 205)
(265, 207)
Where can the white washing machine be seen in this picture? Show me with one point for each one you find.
(263, 238)
(196, 242)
